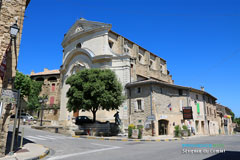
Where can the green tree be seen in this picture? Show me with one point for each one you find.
(94, 89)
(237, 120)
(33, 98)
(29, 88)
(232, 115)
(22, 82)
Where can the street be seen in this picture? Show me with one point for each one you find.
(70, 148)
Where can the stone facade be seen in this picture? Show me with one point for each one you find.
(91, 44)
(224, 119)
(10, 11)
(166, 102)
(50, 87)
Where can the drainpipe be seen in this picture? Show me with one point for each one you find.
(130, 94)
(205, 114)
(151, 110)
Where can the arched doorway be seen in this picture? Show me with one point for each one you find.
(162, 127)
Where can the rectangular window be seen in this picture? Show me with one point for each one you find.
(196, 96)
(180, 92)
(139, 104)
(139, 90)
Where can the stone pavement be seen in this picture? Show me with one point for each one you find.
(29, 151)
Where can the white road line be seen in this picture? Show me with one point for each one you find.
(57, 137)
(32, 137)
(82, 153)
(45, 137)
(102, 145)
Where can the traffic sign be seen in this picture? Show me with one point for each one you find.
(9, 96)
(151, 118)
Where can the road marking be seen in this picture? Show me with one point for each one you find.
(45, 137)
(57, 137)
(32, 137)
(82, 153)
(102, 145)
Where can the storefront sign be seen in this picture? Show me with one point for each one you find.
(187, 113)
(163, 117)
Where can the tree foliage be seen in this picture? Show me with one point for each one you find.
(33, 98)
(232, 115)
(29, 89)
(94, 89)
(237, 120)
(22, 82)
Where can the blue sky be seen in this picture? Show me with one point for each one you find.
(200, 40)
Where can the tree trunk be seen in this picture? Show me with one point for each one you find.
(94, 116)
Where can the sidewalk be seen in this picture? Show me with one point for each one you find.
(162, 138)
(29, 151)
(144, 138)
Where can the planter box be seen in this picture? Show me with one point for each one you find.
(184, 133)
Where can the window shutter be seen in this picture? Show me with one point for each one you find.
(51, 101)
(143, 104)
(135, 106)
(180, 104)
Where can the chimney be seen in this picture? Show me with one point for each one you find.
(202, 88)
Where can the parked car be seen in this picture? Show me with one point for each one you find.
(83, 120)
(25, 116)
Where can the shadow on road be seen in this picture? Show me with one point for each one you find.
(16, 146)
(228, 155)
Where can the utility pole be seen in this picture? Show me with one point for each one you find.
(15, 123)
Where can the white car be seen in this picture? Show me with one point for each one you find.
(26, 116)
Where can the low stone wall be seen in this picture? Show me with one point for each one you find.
(54, 129)
(98, 129)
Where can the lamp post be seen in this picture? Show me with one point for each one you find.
(42, 101)
(14, 29)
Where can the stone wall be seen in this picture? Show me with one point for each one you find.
(148, 66)
(11, 10)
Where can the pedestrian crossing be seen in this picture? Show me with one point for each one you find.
(46, 137)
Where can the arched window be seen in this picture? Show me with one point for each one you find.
(79, 45)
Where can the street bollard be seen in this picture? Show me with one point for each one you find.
(22, 138)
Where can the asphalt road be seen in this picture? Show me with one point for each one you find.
(69, 148)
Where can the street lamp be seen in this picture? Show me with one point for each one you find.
(42, 101)
(14, 29)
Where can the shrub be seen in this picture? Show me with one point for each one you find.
(140, 130)
(177, 131)
(130, 128)
(185, 127)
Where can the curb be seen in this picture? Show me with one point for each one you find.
(41, 156)
(131, 140)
